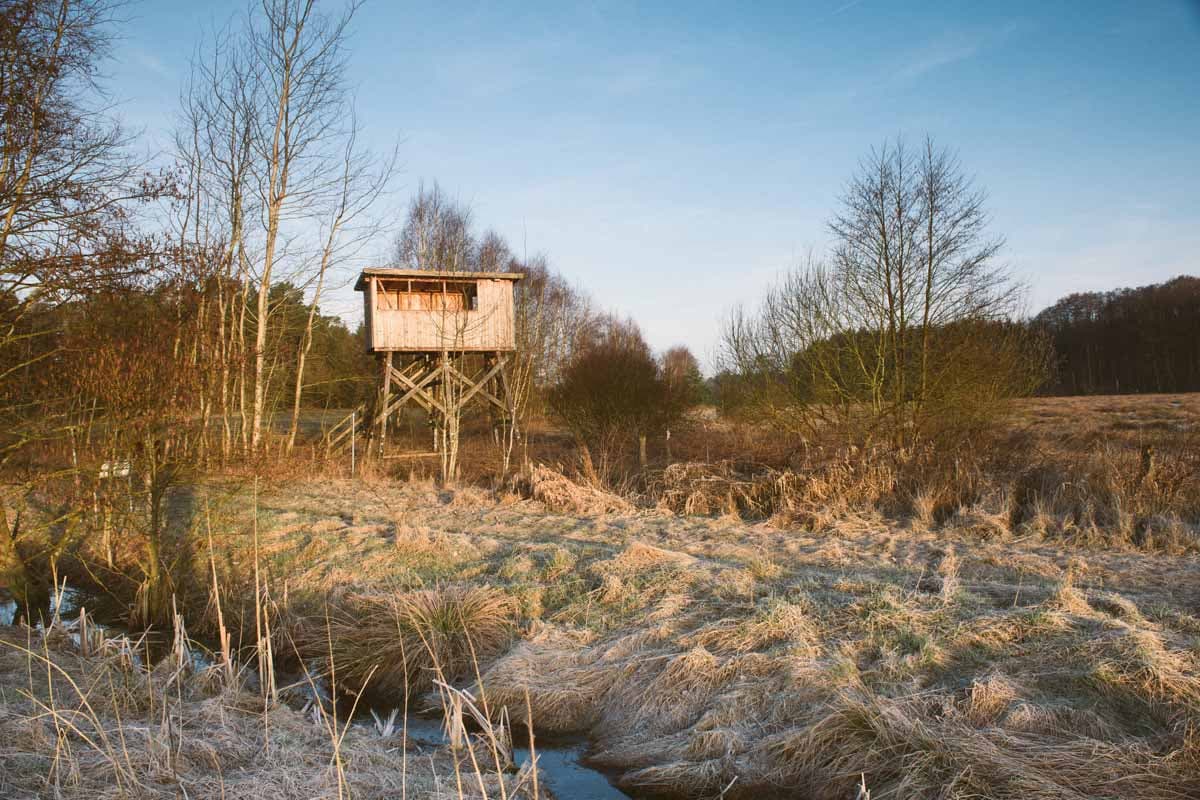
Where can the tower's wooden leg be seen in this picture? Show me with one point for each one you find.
(385, 392)
(503, 393)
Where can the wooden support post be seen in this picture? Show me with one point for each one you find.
(417, 389)
(384, 397)
(508, 417)
(413, 380)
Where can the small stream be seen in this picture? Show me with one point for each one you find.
(563, 770)
(560, 758)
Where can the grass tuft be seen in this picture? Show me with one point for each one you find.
(404, 641)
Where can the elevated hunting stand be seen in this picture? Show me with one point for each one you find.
(443, 340)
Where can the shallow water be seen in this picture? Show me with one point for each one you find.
(565, 774)
(560, 758)
(71, 602)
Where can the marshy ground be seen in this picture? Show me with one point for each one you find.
(958, 659)
(976, 653)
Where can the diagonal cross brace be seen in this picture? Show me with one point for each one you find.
(477, 386)
(416, 389)
(423, 397)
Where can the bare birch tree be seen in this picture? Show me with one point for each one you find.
(278, 144)
(215, 133)
(362, 181)
(298, 63)
(436, 234)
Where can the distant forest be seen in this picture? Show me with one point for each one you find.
(1124, 341)
(1127, 340)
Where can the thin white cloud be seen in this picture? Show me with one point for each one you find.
(947, 50)
(639, 75)
(844, 7)
(907, 66)
(934, 57)
(150, 62)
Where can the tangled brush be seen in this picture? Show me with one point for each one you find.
(558, 493)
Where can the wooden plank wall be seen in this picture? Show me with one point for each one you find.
(491, 327)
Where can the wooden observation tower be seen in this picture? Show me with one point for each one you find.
(442, 339)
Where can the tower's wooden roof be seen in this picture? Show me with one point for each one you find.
(433, 274)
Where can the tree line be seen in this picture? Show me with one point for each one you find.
(1144, 339)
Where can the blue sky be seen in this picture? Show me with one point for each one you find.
(672, 159)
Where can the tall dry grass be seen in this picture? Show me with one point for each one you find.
(402, 642)
(83, 715)
(906, 608)
(1115, 492)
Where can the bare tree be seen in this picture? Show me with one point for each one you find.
(214, 144)
(298, 62)
(66, 180)
(492, 253)
(362, 181)
(437, 233)
(274, 136)
(910, 317)
(551, 316)
(68, 228)
(791, 357)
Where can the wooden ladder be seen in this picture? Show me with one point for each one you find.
(338, 437)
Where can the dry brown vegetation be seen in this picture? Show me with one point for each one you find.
(1107, 470)
(397, 643)
(80, 716)
(796, 630)
(875, 573)
(1022, 624)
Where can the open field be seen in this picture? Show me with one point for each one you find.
(697, 650)
(1076, 418)
(967, 652)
